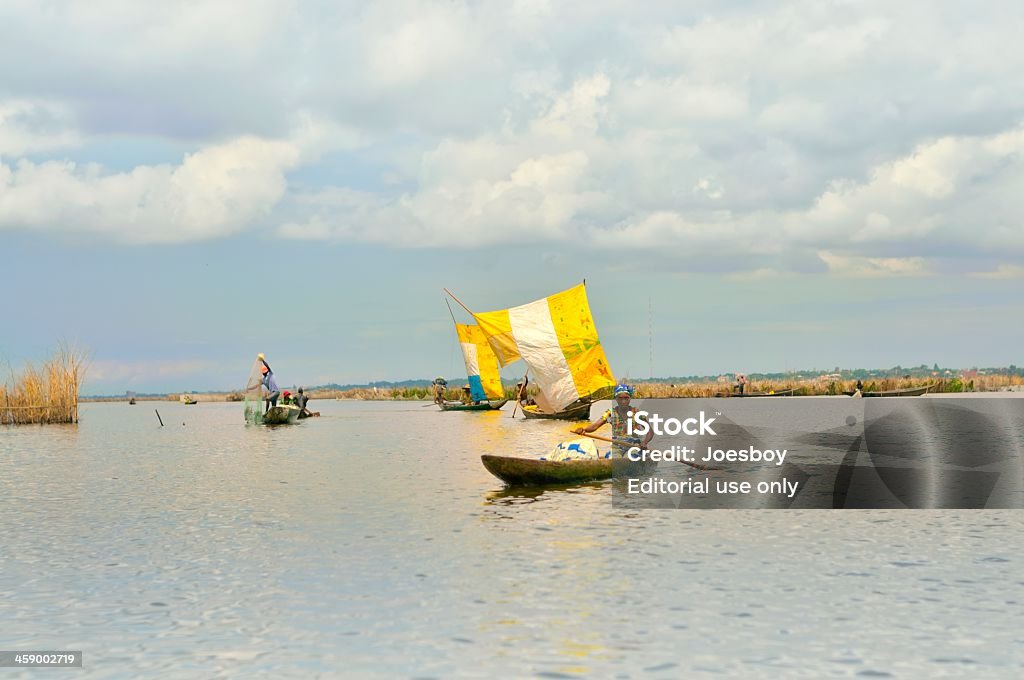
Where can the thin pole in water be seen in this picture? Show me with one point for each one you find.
(650, 335)
(159, 418)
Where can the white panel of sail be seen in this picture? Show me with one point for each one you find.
(469, 354)
(535, 336)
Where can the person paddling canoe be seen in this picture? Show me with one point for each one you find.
(619, 417)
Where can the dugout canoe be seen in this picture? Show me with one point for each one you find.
(281, 415)
(909, 392)
(493, 405)
(573, 412)
(780, 393)
(531, 472)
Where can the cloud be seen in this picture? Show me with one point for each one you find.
(730, 131)
(217, 190)
(132, 373)
(874, 267)
(214, 192)
(1003, 271)
(28, 127)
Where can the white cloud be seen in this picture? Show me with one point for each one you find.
(28, 127)
(411, 48)
(874, 267)
(216, 191)
(577, 111)
(220, 189)
(721, 128)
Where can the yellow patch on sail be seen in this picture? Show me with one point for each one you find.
(498, 329)
(577, 337)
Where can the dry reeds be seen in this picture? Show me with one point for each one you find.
(801, 387)
(822, 386)
(48, 394)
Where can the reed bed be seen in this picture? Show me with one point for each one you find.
(824, 387)
(47, 394)
(806, 387)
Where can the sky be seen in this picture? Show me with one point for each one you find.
(746, 186)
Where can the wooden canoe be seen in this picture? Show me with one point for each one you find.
(780, 393)
(482, 406)
(909, 392)
(281, 415)
(573, 412)
(531, 472)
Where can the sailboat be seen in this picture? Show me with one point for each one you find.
(556, 337)
(485, 391)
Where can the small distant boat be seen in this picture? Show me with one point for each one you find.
(187, 400)
(579, 411)
(285, 414)
(780, 393)
(530, 472)
(131, 402)
(909, 392)
(492, 405)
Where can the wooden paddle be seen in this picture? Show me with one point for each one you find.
(520, 395)
(630, 444)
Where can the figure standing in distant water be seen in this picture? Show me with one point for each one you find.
(268, 382)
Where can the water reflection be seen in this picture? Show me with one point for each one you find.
(516, 495)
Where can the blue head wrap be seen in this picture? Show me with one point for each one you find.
(623, 389)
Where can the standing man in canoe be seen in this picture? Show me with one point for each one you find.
(268, 381)
(301, 400)
(521, 396)
(439, 385)
(619, 417)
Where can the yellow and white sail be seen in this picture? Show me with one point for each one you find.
(481, 364)
(557, 339)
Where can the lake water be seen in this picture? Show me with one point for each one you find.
(371, 542)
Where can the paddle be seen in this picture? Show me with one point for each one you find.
(630, 444)
(520, 395)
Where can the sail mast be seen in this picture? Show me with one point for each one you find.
(460, 303)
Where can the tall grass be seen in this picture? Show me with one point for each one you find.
(47, 394)
(808, 387)
(822, 387)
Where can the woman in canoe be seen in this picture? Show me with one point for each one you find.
(619, 417)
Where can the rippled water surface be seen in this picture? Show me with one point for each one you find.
(371, 542)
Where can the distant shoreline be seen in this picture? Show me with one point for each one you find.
(811, 387)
